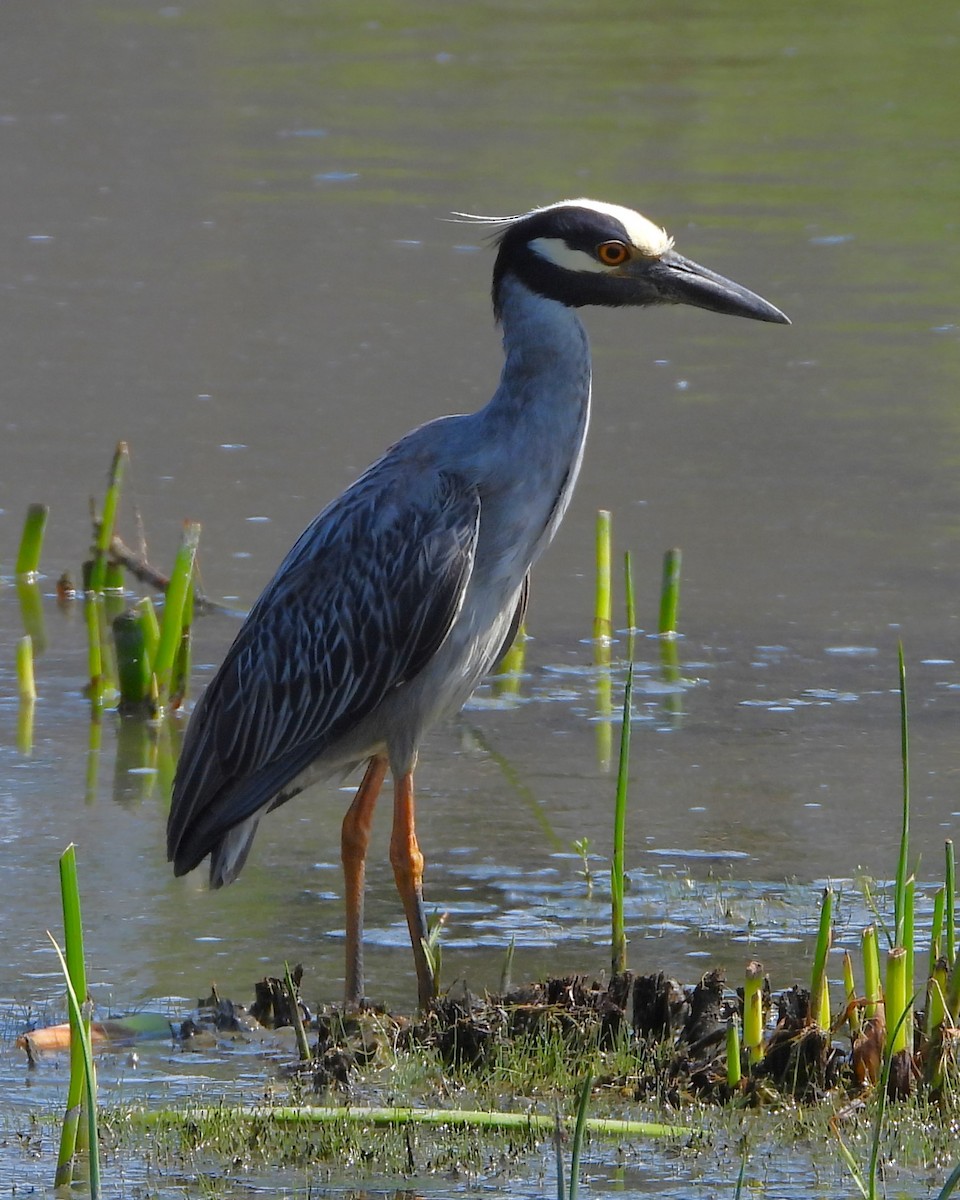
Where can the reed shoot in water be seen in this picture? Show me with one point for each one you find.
(31, 542)
(753, 1012)
(670, 593)
(603, 604)
(82, 1085)
(108, 519)
(819, 992)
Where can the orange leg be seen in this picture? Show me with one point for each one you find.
(354, 836)
(407, 862)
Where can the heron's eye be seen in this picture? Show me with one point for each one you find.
(612, 254)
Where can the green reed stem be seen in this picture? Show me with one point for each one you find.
(895, 995)
(824, 939)
(603, 604)
(108, 519)
(950, 903)
(871, 971)
(936, 999)
(133, 662)
(936, 928)
(397, 1117)
(171, 627)
(753, 1012)
(82, 1073)
(734, 1072)
(180, 680)
(618, 870)
(670, 593)
(93, 604)
(31, 541)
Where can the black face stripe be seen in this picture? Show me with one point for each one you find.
(581, 228)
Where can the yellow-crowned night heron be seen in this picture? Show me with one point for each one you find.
(404, 592)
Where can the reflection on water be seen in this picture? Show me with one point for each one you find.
(223, 242)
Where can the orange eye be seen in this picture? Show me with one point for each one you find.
(612, 254)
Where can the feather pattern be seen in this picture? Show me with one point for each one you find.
(321, 650)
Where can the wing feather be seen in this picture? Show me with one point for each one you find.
(359, 606)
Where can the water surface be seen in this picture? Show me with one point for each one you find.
(223, 241)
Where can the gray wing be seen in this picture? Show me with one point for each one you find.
(358, 607)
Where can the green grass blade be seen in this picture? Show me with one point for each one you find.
(618, 936)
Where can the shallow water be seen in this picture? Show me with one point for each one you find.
(224, 243)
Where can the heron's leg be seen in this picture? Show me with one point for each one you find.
(354, 836)
(407, 862)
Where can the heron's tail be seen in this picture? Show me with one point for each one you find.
(229, 855)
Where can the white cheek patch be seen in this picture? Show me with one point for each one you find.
(557, 251)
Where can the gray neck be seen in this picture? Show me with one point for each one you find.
(536, 421)
(547, 353)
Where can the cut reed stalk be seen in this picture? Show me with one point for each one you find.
(133, 662)
(31, 542)
(895, 997)
(618, 939)
(670, 593)
(734, 1072)
(871, 971)
(753, 1012)
(603, 603)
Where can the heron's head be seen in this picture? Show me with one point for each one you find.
(586, 252)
